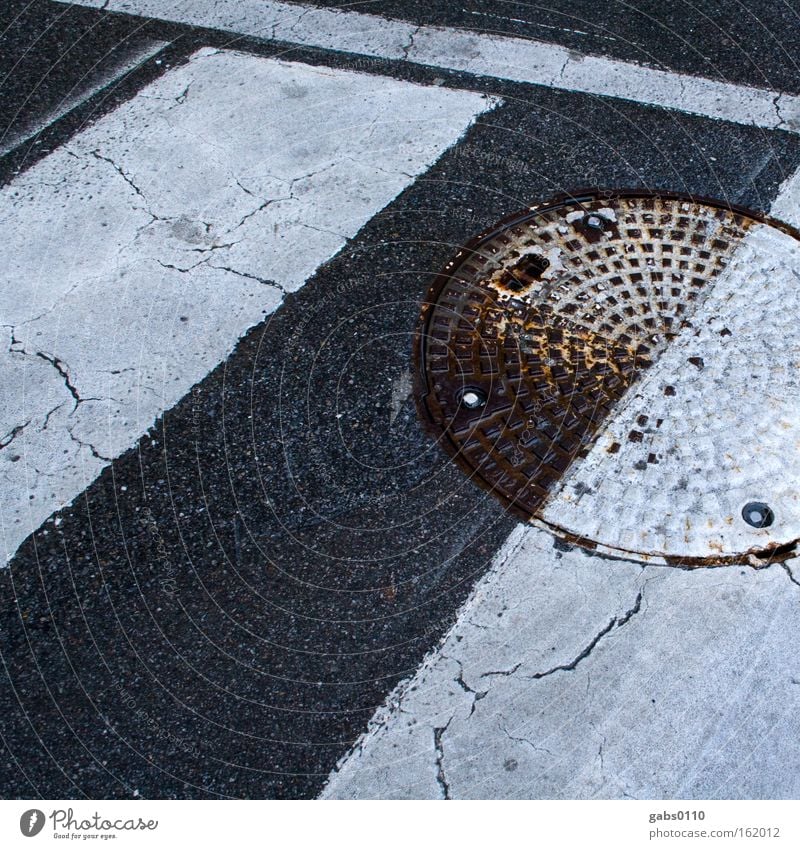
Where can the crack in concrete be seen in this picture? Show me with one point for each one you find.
(184, 270)
(97, 155)
(59, 301)
(441, 778)
(290, 196)
(614, 622)
(477, 695)
(776, 104)
(243, 188)
(212, 248)
(524, 740)
(63, 370)
(600, 752)
(13, 434)
(181, 98)
(83, 444)
(14, 341)
(260, 208)
(314, 173)
(248, 276)
(294, 26)
(560, 75)
(502, 672)
(789, 573)
(324, 230)
(407, 47)
(50, 413)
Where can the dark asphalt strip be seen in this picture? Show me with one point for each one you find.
(51, 54)
(220, 613)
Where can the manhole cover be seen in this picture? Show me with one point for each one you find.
(622, 368)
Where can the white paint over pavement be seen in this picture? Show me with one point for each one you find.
(135, 256)
(569, 676)
(517, 59)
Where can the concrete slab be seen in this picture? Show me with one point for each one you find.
(136, 255)
(570, 676)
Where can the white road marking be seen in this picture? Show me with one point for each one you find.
(111, 75)
(570, 676)
(686, 463)
(402, 387)
(135, 256)
(517, 59)
(786, 206)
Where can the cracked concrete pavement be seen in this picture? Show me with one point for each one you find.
(223, 609)
(173, 225)
(573, 676)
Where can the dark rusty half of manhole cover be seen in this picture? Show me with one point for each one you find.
(536, 329)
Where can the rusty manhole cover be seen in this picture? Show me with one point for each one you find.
(621, 368)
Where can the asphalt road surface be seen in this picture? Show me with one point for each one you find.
(234, 564)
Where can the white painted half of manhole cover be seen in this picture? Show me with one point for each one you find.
(709, 429)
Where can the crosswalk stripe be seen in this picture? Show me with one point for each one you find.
(507, 704)
(517, 59)
(137, 254)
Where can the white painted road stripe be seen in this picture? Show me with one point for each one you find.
(136, 255)
(517, 59)
(568, 676)
(572, 677)
(111, 75)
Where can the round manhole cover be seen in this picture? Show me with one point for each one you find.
(622, 369)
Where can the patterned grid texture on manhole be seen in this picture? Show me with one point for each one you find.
(551, 319)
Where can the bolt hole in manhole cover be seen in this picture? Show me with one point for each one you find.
(621, 368)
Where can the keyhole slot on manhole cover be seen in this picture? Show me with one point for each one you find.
(526, 272)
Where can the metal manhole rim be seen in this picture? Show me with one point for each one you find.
(755, 557)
